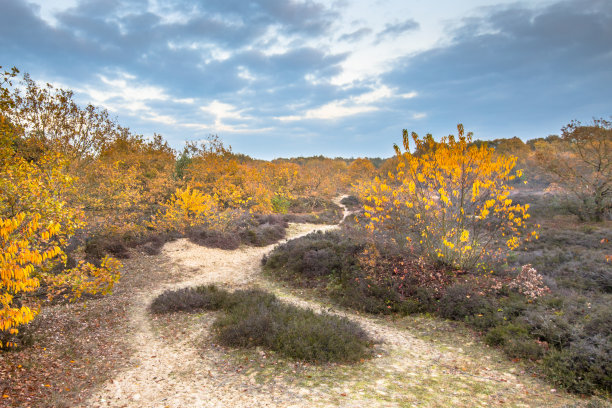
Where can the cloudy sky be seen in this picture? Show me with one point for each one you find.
(278, 78)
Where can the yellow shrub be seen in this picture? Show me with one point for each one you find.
(455, 195)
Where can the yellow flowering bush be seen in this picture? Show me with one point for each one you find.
(187, 208)
(453, 196)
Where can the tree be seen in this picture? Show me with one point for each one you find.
(35, 226)
(361, 169)
(188, 207)
(37, 220)
(453, 199)
(50, 117)
(581, 163)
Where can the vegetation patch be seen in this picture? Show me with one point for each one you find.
(566, 331)
(255, 318)
(313, 210)
(189, 300)
(352, 203)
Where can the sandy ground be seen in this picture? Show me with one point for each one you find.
(183, 371)
(157, 377)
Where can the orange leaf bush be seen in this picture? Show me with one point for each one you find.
(454, 196)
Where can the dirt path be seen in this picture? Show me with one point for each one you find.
(182, 367)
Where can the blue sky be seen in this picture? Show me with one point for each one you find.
(278, 78)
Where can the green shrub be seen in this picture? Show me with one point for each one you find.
(515, 341)
(461, 301)
(280, 204)
(351, 202)
(523, 347)
(512, 305)
(500, 335)
(600, 321)
(255, 318)
(583, 367)
(189, 300)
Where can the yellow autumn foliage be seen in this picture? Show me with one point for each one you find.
(186, 208)
(456, 196)
(35, 225)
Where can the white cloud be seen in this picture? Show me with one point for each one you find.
(355, 105)
(224, 128)
(409, 95)
(382, 92)
(244, 73)
(333, 110)
(222, 111)
(187, 101)
(122, 93)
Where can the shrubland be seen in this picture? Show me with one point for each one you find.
(453, 230)
(494, 234)
(255, 318)
(78, 191)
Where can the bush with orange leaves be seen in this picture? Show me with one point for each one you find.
(452, 198)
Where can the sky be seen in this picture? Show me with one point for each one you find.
(287, 78)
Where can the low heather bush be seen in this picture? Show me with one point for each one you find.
(500, 335)
(351, 202)
(523, 347)
(583, 367)
(98, 246)
(255, 318)
(189, 300)
(462, 301)
(316, 255)
(331, 261)
(313, 210)
(561, 314)
(264, 234)
(213, 239)
(153, 246)
(310, 204)
(25, 338)
(515, 340)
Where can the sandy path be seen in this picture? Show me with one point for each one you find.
(407, 372)
(176, 375)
